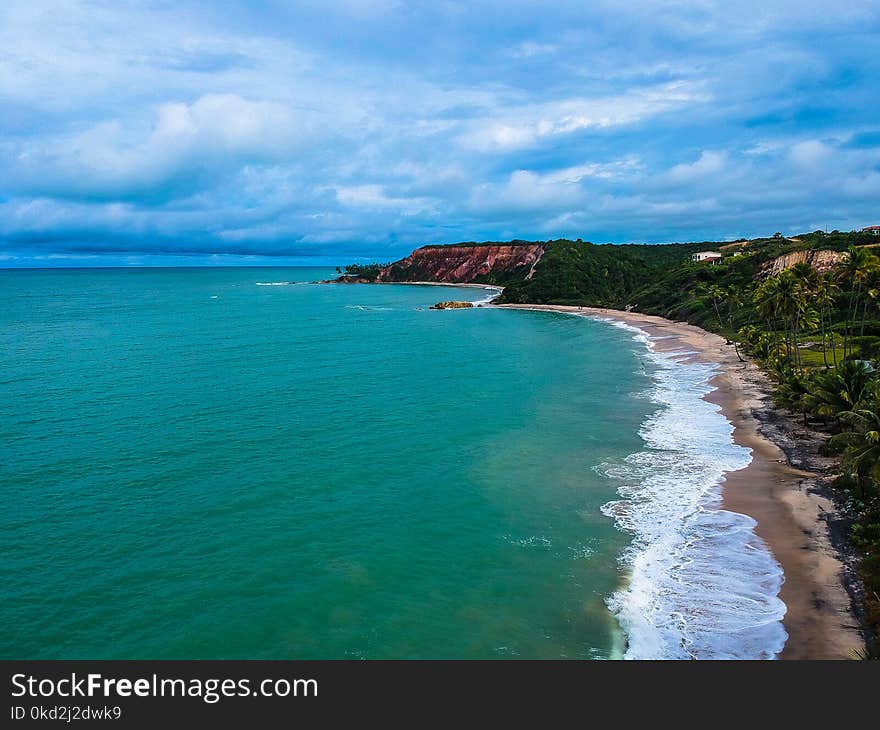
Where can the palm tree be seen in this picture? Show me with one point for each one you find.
(718, 295)
(862, 445)
(735, 297)
(826, 291)
(757, 341)
(768, 302)
(870, 296)
(791, 299)
(808, 321)
(855, 269)
(840, 390)
(805, 317)
(806, 274)
(792, 391)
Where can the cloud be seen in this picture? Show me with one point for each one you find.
(810, 155)
(375, 196)
(185, 142)
(709, 164)
(360, 129)
(525, 191)
(527, 125)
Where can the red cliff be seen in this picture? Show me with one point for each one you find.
(483, 263)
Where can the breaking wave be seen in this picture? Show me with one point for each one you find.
(492, 293)
(701, 583)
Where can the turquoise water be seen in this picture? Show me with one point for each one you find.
(198, 466)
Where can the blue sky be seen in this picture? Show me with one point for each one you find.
(326, 132)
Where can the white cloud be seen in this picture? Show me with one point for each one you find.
(709, 164)
(525, 190)
(374, 196)
(519, 127)
(210, 134)
(810, 155)
(617, 169)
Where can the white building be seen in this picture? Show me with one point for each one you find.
(710, 256)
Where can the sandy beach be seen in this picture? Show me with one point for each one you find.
(784, 489)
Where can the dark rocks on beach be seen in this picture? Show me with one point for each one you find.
(804, 450)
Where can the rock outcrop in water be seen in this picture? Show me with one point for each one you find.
(465, 263)
(452, 305)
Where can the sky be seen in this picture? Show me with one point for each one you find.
(194, 132)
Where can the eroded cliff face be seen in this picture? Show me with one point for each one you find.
(489, 263)
(822, 261)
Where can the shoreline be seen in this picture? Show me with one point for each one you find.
(782, 488)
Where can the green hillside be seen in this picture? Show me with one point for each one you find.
(658, 279)
(573, 272)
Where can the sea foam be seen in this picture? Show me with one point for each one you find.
(492, 293)
(701, 583)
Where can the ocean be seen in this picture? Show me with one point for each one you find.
(237, 463)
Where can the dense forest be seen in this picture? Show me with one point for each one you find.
(574, 272)
(660, 279)
(806, 308)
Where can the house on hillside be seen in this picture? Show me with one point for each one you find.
(873, 230)
(711, 257)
